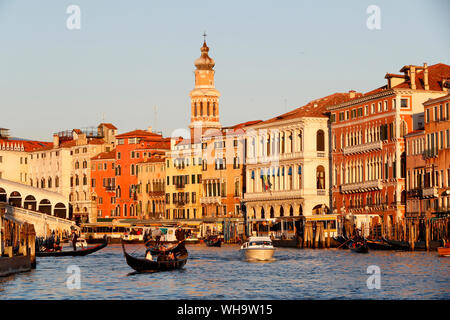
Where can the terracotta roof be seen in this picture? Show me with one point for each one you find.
(23, 145)
(105, 155)
(440, 99)
(108, 125)
(315, 108)
(138, 134)
(436, 73)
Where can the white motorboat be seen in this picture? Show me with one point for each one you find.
(258, 248)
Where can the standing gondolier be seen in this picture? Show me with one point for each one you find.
(181, 236)
(74, 239)
(157, 235)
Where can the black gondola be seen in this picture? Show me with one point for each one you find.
(378, 245)
(213, 242)
(145, 265)
(73, 253)
(359, 247)
(418, 245)
(341, 241)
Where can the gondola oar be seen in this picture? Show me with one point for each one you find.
(346, 242)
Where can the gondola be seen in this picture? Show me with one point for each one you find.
(359, 248)
(144, 265)
(82, 252)
(378, 245)
(213, 242)
(341, 241)
(418, 245)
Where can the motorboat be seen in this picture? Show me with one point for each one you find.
(258, 248)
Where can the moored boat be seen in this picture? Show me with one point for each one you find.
(444, 252)
(258, 248)
(146, 265)
(73, 253)
(378, 245)
(418, 245)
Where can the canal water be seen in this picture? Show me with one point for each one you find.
(221, 273)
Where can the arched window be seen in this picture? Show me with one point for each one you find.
(57, 182)
(77, 165)
(300, 141)
(207, 108)
(320, 140)
(320, 177)
(77, 180)
(49, 182)
(42, 183)
(403, 128)
(201, 108)
(262, 213)
(84, 164)
(195, 109)
(214, 109)
(84, 180)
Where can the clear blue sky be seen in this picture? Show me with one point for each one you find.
(130, 56)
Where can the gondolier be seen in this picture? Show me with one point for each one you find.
(157, 235)
(74, 239)
(181, 236)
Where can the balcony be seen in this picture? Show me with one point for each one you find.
(179, 203)
(430, 192)
(274, 195)
(363, 148)
(211, 200)
(364, 186)
(180, 185)
(414, 193)
(430, 153)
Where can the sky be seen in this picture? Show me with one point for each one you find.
(132, 58)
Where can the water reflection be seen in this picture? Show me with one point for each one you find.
(222, 273)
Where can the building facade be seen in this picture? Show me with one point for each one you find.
(103, 183)
(287, 166)
(65, 167)
(151, 175)
(436, 188)
(368, 145)
(133, 148)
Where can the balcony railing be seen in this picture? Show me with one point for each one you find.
(363, 148)
(180, 185)
(274, 195)
(362, 186)
(430, 192)
(211, 200)
(430, 153)
(415, 193)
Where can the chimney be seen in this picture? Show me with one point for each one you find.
(149, 129)
(352, 94)
(412, 77)
(55, 141)
(425, 77)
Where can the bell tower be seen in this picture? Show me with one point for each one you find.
(204, 96)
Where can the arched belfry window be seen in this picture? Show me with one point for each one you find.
(195, 109)
(214, 109)
(201, 108)
(207, 108)
(320, 140)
